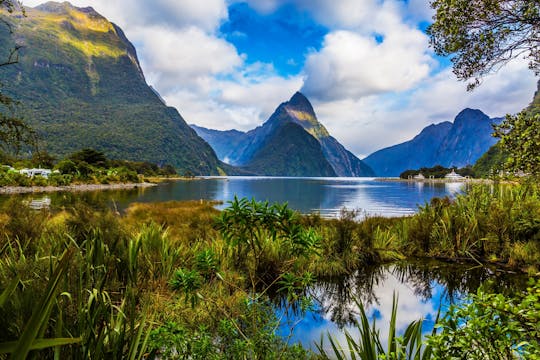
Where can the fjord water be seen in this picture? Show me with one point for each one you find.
(324, 195)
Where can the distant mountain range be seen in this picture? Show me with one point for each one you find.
(80, 85)
(292, 142)
(456, 144)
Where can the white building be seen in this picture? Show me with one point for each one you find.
(36, 172)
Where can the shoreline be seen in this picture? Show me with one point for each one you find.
(437, 181)
(8, 190)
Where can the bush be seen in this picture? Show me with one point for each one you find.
(491, 326)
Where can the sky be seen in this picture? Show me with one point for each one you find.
(365, 65)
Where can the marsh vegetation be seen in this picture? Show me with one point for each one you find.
(184, 280)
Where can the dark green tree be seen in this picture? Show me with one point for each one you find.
(483, 35)
(89, 156)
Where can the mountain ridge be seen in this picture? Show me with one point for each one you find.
(449, 144)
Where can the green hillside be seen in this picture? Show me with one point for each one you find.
(80, 85)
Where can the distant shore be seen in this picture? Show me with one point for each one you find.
(74, 188)
(437, 181)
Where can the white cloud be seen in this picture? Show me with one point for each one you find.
(351, 65)
(242, 101)
(371, 123)
(183, 57)
(373, 83)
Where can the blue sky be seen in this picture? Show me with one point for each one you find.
(365, 65)
(282, 38)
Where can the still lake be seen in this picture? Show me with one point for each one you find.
(324, 195)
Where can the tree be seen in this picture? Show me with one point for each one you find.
(13, 131)
(483, 35)
(520, 137)
(90, 156)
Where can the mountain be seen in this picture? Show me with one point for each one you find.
(251, 148)
(456, 144)
(290, 151)
(80, 85)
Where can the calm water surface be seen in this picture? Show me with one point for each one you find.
(307, 195)
(422, 288)
(324, 195)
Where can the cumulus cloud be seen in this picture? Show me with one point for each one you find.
(241, 101)
(351, 65)
(183, 57)
(374, 82)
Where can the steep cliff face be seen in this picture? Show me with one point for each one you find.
(80, 84)
(456, 144)
(299, 111)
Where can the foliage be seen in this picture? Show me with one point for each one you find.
(438, 172)
(89, 156)
(520, 137)
(14, 132)
(483, 35)
(492, 163)
(125, 288)
(254, 230)
(229, 341)
(491, 326)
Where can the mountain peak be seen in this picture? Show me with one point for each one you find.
(300, 102)
(299, 110)
(471, 115)
(298, 98)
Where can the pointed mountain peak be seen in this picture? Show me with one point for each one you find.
(300, 102)
(299, 110)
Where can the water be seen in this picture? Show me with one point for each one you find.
(307, 195)
(422, 289)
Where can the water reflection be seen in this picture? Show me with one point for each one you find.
(422, 287)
